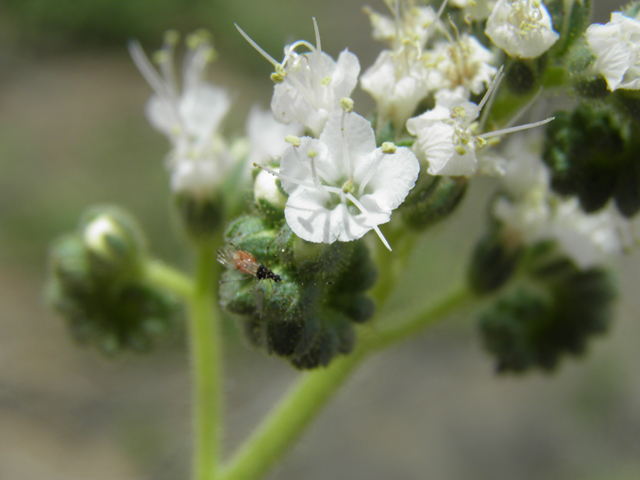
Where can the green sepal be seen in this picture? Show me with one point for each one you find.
(572, 29)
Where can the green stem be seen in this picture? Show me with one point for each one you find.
(168, 279)
(289, 418)
(408, 324)
(206, 365)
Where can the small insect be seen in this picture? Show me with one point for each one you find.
(246, 263)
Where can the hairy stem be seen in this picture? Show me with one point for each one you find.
(206, 365)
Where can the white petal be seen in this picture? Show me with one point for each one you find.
(613, 55)
(163, 116)
(295, 163)
(357, 134)
(266, 135)
(435, 145)
(345, 76)
(203, 108)
(307, 214)
(394, 177)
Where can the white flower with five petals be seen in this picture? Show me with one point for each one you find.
(190, 117)
(446, 137)
(309, 86)
(616, 46)
(398, 81)
(341, 185)
(522, 28)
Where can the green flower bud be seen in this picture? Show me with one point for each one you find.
(305, 308)
(585, 151)
(113, 242)
(431, 200)
(494, 260)
(533, 325)
(95, 284)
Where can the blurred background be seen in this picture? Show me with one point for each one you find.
(73, 134)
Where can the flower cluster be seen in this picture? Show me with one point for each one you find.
(616, 46)
(189, 116)
(327, 174)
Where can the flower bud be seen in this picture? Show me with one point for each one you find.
(307, 314)
(113, 241)
(493, 262)
(268, 196)
(534, 325)
(95, 284)
(585, 151)
(432, 199)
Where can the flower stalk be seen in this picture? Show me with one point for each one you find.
(206, 365)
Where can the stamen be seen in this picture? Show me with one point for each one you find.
(491, 89)
(318, 45)
(312, 154)
(515, 129)
(149, 73)
(269, 58)
(370, 174)
(436, 20)
(485, 111)
(360, 207)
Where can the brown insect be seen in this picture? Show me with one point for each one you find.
(246, 263)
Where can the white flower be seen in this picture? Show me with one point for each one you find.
(265, 188)
(409, 23)
(266, 135)
(189, 118)
(616, 46)
(341, 186)
(522, 28)
(475, 9)
(532, 211)
(464, 62)
(446, 138)
(403, 76)
(310, 86)
(398, 81)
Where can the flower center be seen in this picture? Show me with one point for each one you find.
(525, 15)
